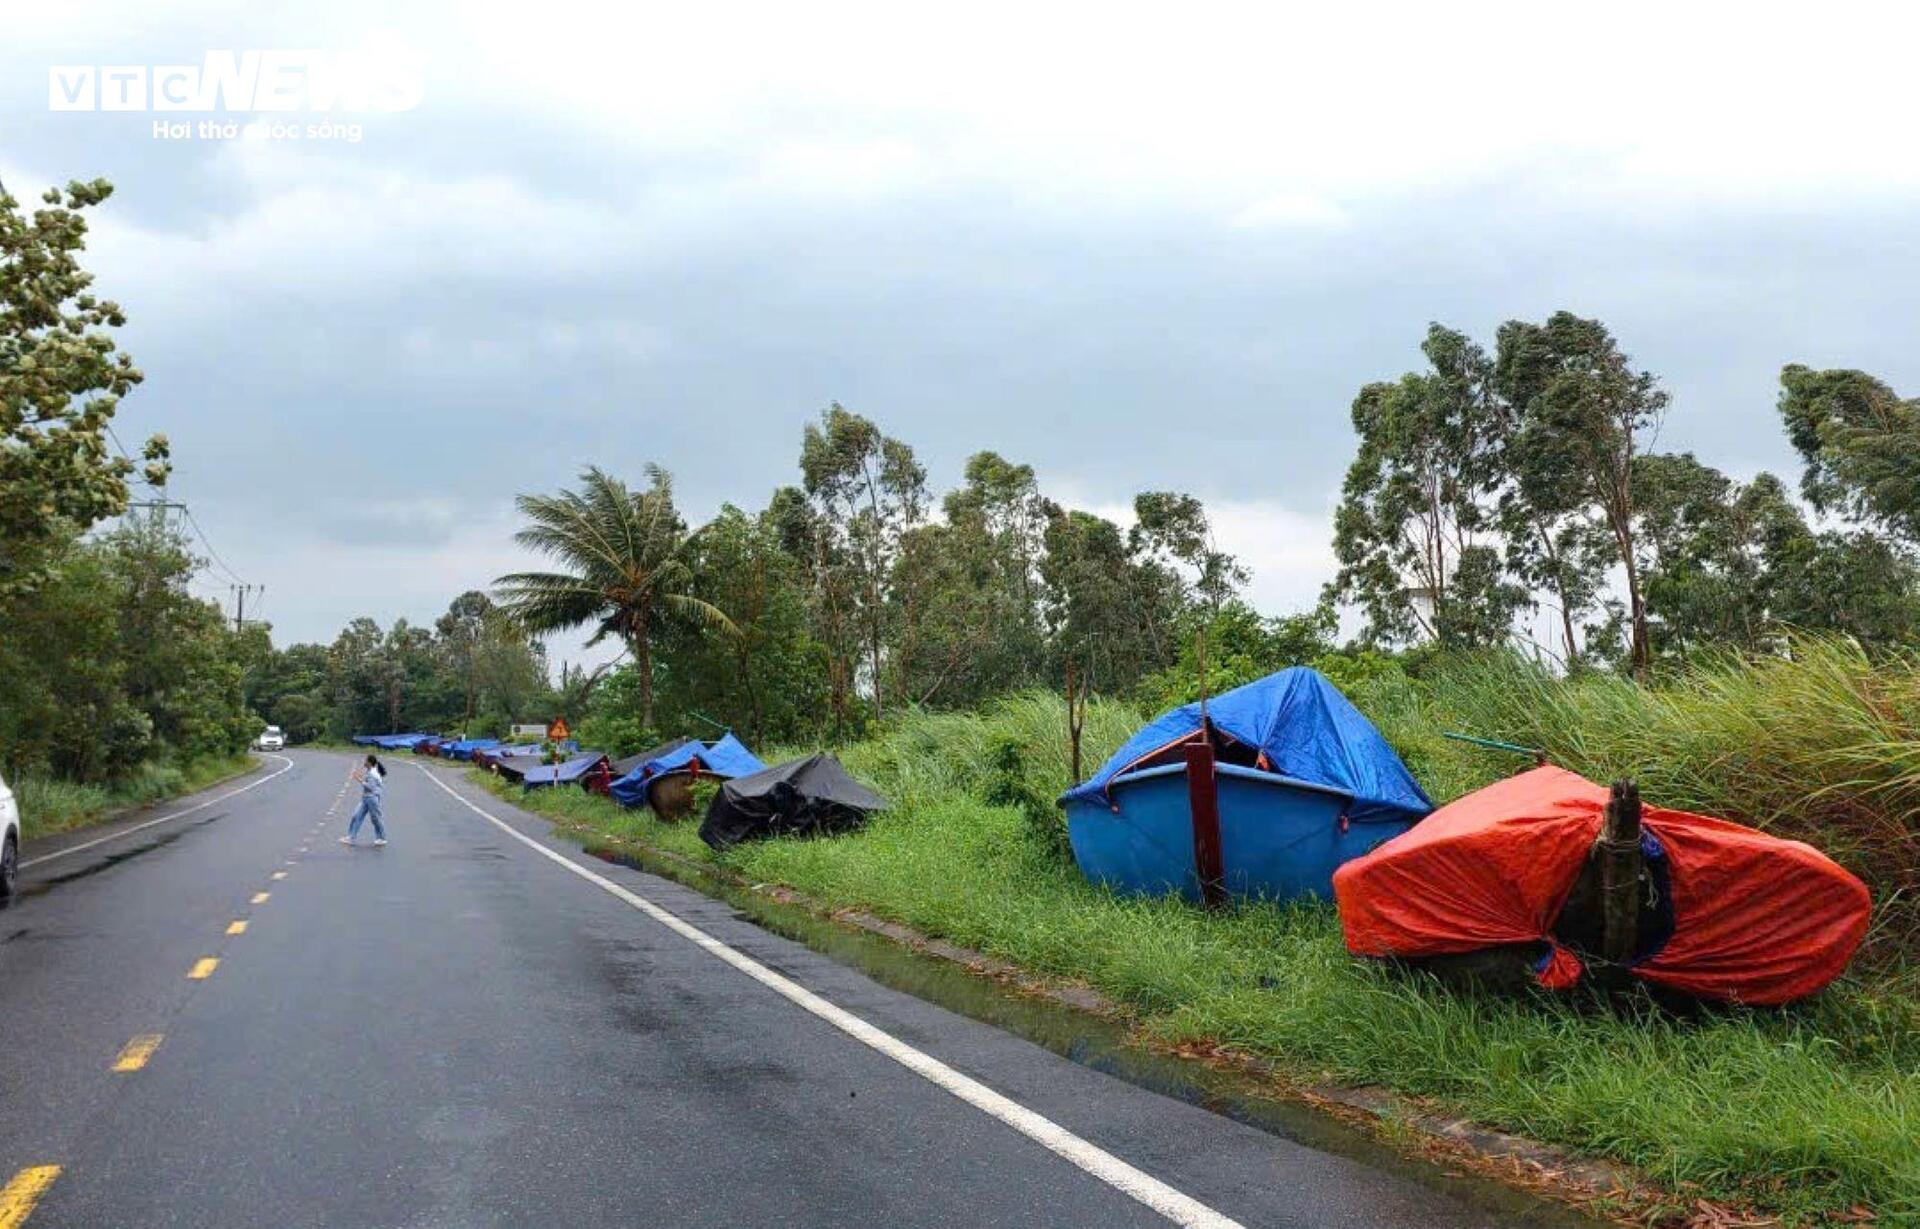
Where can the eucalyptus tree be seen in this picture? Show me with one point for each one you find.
(623, 555)
(1581, 411)
(869, 491)
(1171, 528)
(1416, 532)
(1555, 544)
(967, 592)
(770, 681)
(461, 631)
(1861, 444)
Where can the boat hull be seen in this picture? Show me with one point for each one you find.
(1280, 839)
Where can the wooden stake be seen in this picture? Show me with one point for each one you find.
(1203, 799)
(1620, 879)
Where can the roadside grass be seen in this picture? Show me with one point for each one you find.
(52, 806)
(1821, 745)
(1805, 1112)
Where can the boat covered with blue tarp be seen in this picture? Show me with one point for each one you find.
(391, 742)
(464, 748)
(725, 758)
(568, 771)
(1265, 793)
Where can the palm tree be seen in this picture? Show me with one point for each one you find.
(624, 553)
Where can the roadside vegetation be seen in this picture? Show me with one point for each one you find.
(53, 805)
(1807, 1112)
(117, 685)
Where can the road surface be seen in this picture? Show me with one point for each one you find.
(215, 1015)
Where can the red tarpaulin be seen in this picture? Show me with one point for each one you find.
(1756, 919)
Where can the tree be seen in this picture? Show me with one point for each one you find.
(1240, 645)
(61, 379)
(1711, 548)
(868, 491)
(967, 593)
(625, 552)
(1578, 404)
(1554, 544)
(1861, 444)
(1856, 583)
(1414, 532)
(1109, 613)
(109, 662)
(510, 676)
(576, 689)
(461, 631)
(832, 594)
(1172, 528)
(769, 681)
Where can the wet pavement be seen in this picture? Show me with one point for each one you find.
(481, 1025)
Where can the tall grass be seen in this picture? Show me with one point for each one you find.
(1821, 745)
(48, 806)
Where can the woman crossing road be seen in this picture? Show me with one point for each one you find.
(372, 778)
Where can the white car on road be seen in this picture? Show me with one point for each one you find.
(271, 739)
(9, 842)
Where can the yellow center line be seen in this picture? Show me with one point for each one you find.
(260, 898)
(236, 928)
(138, 1051)
(18, 1197)
(203, 968)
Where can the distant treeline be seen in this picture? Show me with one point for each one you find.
(1492, 494)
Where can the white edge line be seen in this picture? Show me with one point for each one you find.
(1179, 1208)
(199, 806)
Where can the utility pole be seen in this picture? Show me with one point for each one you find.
(157, 509)
(240, 602)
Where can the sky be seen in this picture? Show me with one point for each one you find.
(1136, 247)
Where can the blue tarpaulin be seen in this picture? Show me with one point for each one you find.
(1298, 725)
(464, 749)
(567, 770)
(390, 742)
(726, 757)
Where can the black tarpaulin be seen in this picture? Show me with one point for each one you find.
(810, 795)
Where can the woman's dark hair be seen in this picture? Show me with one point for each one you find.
(374, 762)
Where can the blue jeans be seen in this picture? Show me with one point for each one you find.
(368, 809)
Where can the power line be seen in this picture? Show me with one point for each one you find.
(214, 554)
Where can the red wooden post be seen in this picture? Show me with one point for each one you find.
(1203, 799)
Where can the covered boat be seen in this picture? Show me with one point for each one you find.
(627, 763)
(513, 760)
(1717, 910)
(1280, 782)
(391, 742)
(725, 758)
(807, 796)
(463, 749)
(577, 769)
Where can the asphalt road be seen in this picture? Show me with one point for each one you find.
(479, 1025)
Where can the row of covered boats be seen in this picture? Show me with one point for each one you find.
(1282, 789)
(811, 794)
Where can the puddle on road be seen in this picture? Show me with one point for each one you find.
(1098, 1043)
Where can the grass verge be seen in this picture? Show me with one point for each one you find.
(1808, 1113)
(49, 806)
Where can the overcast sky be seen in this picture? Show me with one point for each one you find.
(1133, 247)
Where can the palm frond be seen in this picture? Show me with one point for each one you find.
(699, 611)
